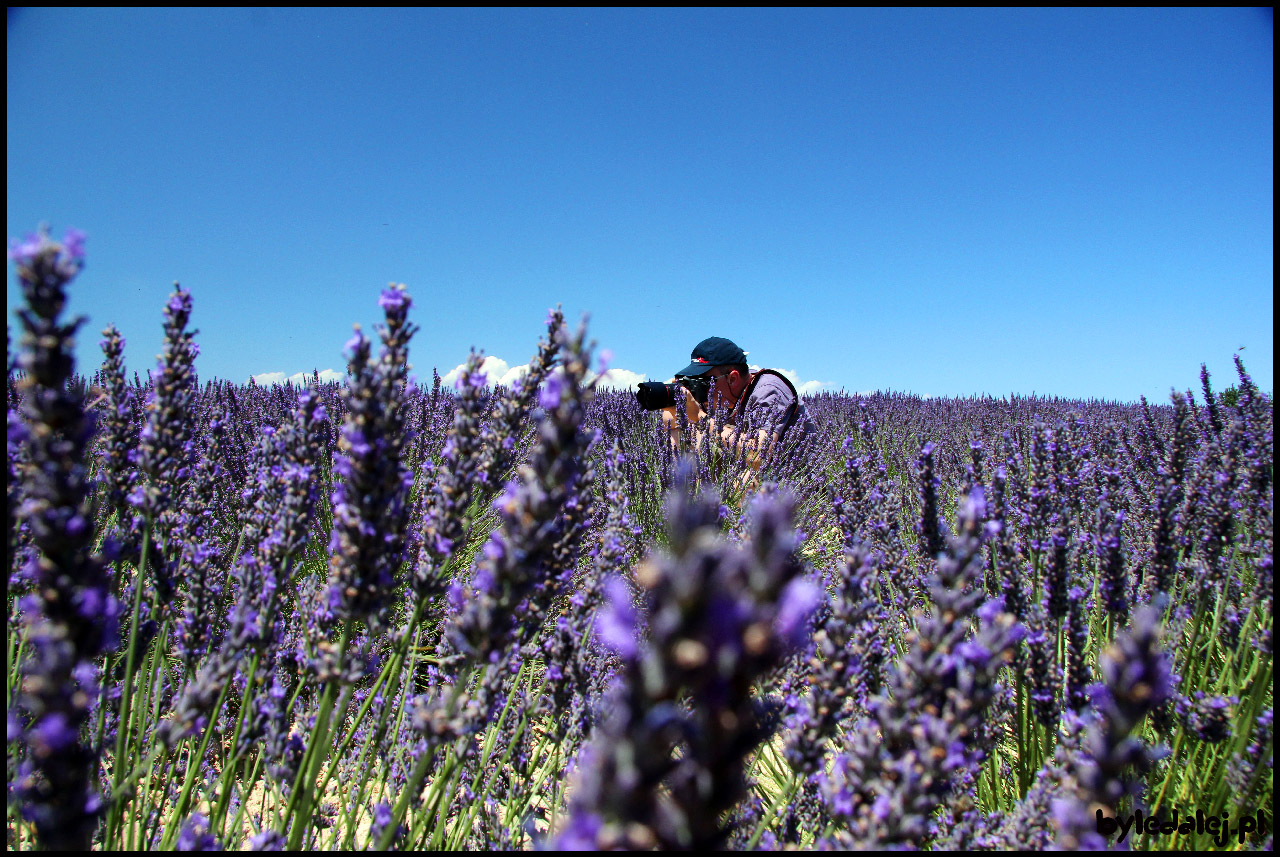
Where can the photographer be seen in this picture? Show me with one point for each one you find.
(718, 381)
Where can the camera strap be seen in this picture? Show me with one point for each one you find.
(790, 414)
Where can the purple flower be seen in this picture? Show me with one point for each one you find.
(991, 609)
(394, 300)
(975, 654)
(799, 600)
(1138, 681)
(845, 661)
(457, 596)
(355, 344)
(24, 251)
(931, 528)
(371, 509)
(165, 439)
(267, 840)
(73, 244)
(196, 835)
(552, 391)
(616, 623)
(53, 734)
(580, 833)
(70, 615)
(382, 818)
(713, 610)
(926, 734)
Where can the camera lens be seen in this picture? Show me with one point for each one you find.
(655, 395)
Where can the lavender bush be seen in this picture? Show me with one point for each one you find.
(379, 614)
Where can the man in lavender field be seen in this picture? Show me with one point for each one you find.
(719, 382)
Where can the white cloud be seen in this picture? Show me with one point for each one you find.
(297, 379)
(450, 378)
(494, 369)
(809, 387)
(620, 379)
(514, 374)
(301, 379)
(804, 388)
(498, 371)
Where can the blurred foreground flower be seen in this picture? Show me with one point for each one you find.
(662, 773)
(71, 618)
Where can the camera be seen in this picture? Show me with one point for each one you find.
(655, 395)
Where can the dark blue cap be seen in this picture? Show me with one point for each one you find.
(710, 353)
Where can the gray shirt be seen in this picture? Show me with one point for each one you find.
(767, 409)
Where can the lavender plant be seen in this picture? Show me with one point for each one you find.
(70, 617)
(377, 614)
(718, 617)
(903, 762)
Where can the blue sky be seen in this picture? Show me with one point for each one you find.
(1075, 203)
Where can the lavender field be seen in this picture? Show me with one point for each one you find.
(383, 615)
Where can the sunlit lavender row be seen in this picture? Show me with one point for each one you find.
(374, 614)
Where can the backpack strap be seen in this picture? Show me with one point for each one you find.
(790, 414)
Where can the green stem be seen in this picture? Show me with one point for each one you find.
(193, 767)
(390, 671)
(518, 809)
(416, 777)
(1020, 725)
(431, 806)
(248, 791)
(1250, 707)
(304, 787)
(486, 753)
(557, 785)
(353, 809)
(774, 813)
(150, 701)
(149, 826)
(1189, 660)
(15, 661)
(126, 697)
(996, 803)
(229, 769)
(388, 760)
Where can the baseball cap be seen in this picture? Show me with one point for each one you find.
(711, 352)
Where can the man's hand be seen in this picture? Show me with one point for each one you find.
(751, 450)
(692, 410)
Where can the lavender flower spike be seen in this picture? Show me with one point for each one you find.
(164, 442)
(932, 532)
(528, 560)
(719, 618)
(845, 661)
(370, 500)
(444, 521)
(116, 418)
(930, 731)
(74, 616)
(1137, 681)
